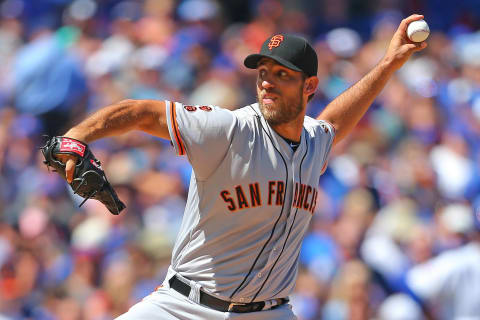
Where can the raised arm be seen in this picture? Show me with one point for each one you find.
(347, 109)
(116, 119)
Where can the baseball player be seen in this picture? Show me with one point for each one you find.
(448, 285)
(255, 178)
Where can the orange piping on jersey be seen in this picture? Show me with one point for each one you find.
(176, 133)
(324, 168)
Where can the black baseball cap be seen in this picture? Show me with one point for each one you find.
(290, 51)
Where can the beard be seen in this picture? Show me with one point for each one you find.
(282, 111)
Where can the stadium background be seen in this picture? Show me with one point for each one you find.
(408, 173)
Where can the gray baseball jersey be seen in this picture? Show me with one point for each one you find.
(250, 200)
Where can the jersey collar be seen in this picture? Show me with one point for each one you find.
(278, 140)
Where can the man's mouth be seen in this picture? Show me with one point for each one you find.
(268, 99)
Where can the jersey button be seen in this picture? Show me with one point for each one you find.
(275, 249)
(259, 274)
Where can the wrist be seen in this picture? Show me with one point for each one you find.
(77, 135)
(388, 65)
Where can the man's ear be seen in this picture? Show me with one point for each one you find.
(311, 85)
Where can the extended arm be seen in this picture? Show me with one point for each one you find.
(116, 119)
(122, 117)
(347, 109)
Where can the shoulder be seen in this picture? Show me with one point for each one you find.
(202, 112)
(318, 127)
(248, 112)
(246, 116)
(245, 112)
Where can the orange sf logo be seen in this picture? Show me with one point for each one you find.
(275, 41)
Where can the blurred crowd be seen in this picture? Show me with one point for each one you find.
(400, 191)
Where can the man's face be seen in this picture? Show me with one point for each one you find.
(279, 92)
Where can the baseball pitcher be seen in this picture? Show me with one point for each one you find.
(255, 178)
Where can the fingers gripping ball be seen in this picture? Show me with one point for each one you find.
(418, 31)
(89, 180)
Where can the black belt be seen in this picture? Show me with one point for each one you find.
(219, 304)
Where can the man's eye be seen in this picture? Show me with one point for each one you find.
(283, 74)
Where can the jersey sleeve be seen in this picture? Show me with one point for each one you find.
(326, 133)
(202, 133)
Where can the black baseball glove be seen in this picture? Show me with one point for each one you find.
(89, 180)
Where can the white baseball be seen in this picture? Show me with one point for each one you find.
(418, 30)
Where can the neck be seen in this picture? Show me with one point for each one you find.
(291, 130)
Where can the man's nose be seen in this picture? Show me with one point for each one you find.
(267, 84)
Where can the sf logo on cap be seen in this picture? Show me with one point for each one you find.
(275, 41)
